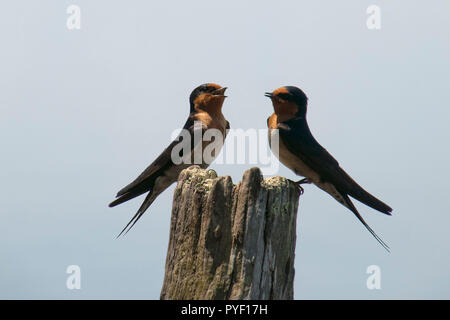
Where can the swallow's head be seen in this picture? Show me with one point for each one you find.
(288, 101)
(207, 97)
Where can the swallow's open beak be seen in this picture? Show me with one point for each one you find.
(220, 92)
(268, 95)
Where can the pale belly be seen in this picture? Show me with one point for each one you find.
(300, 168)
(201, 155)
(289, 159)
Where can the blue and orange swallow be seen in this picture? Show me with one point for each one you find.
(300, 152)
(205, 106)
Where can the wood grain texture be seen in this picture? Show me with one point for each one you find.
(231, 241)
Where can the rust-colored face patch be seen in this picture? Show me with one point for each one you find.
(214, 85)
(209, 103)
(208, 98)
(285, 110)
(280, 90)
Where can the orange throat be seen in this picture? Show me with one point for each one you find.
(284, 110)
(209, 103)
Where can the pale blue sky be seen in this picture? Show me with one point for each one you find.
(77, 123)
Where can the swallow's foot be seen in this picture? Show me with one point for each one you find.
(304, 180)
(299, 189)
(299, 183)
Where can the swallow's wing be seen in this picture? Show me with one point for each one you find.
(298, 139)
(145, 181)
(227, 129)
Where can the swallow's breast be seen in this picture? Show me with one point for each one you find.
(212, 121)
(296, 164)
(289, 159)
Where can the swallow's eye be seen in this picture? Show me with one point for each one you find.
(207, 89)
(284, 96)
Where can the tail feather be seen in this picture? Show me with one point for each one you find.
(144, 206)
(357, 192)
(125, 197)
(352, 207)
(366, 198)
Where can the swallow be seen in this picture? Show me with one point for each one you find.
(300, 152)
(205, 109)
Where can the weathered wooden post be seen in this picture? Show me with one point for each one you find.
(231, 242)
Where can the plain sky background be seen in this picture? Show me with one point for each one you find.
(83, 112)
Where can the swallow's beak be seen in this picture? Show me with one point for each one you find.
(220, 92)
(268, 95)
